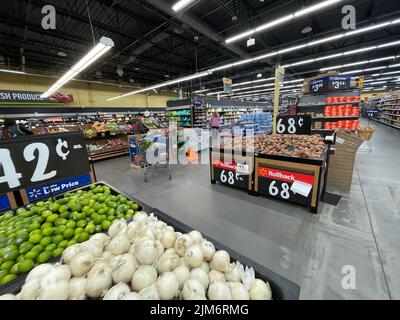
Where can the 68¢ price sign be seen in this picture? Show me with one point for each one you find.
(34, 160)
(293, 124)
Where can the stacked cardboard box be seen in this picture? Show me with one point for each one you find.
(341, 164)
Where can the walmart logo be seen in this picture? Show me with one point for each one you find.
(35, 193)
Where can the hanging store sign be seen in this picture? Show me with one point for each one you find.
(227, 85)
(37, 160)
(361, 82)
(286, 185)
(329, 84)
(232, 173)
(10, 97)
(294, 124)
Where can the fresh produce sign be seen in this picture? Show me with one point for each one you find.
(11, 97)
(36, 160)
(232, 173)
(293, 124)
(39, 232)
(286, 185)
(329, 84)
(4, 203)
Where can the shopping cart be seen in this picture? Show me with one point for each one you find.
(366, 132)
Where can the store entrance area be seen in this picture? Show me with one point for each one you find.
(314, 251)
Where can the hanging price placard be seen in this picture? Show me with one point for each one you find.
(285, 185)
(41, 159)
(293, 124)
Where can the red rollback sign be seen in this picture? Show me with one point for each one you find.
(226, 165)
(286, 176)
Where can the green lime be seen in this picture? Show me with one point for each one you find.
(7, 278)
(111, 218)
(90, 228)
(25, 247)
(81, 223)
(64, 215)
(130, 211)
(35, 238)
(57, 252)
(10, 255)
(134, 206)
(51, 247)
(68, 233)
(55, 207)
(3, 273)
(128, 216)
(51, 218)
(15, 269)
(37, 231)
(21, 239)
(7, 265)
(34, 226)
(60, 222)
(63, 244)
(39, 204)
(47, 231)
(46, 225)
(120, 216)
(98, 219)
(78, 230)
(44, 257)
(26, 265)
(71, 242)
(110, 212)
(86, 208)
(46, 240)
(46, 213)
(20, 258)
(59, 229)
(98, 229)
(57, 239)
(31, 255)
(83, 237)
(105, 224)
(38, 248)
(62, 209)
(71, 224)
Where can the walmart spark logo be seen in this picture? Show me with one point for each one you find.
(35, 193)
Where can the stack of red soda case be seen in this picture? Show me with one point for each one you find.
(341, 109)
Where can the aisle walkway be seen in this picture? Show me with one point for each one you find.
(311, 250)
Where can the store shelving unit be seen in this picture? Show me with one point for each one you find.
(181, 112)
(390, 112)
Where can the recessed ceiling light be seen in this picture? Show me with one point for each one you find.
(137, 69)
(61, 54)
(306, 29)
(259, 75)
(166, 76)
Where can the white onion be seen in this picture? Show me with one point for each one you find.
(182, 262)
(168, 285)
(124, 269)
(216, 275)
(131, 296)
(39, 271)
(200, 275)
(81, 264)
(95, 247)
(168, 261)
(233, 274)
(196, 297)
(182, 273)
(118, 226)
(208, 250)
(238, 291)
(70, 253)
(195, 236)
(145, 232)
(119, 244)
(77, 288)
(194, 256)
(107, 256)
(150, 293)
(260, 290)
(131, 230)
(205, 267)
(160, 249)
(220, 261)
(140, 217)
(30, 290)
(143, 277)
(56, 291)
(101, 237)
(192, 287)
(168, 238)
(182, 243)
(58, 273)
(8, 297)
(99, 280)
(219, 290)
(117, 292)
(146, 251)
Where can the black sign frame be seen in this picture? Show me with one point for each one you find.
(71, 159)
(304, 128)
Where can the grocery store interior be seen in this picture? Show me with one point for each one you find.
(271, 127)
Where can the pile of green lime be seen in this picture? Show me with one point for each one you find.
(33, 235)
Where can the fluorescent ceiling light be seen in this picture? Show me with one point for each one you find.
(355, 63)
(281, 20)
(331, 68)
(377, 82)
(369, 28)
(389, 44)
(164, 84)
(394, 65)
(181, 4)
(382, 59)
(11, 71)
(359, 63)
(375, 68)
(99, 50)
(360, 50)
(386, 73)
(200, 91)
(353, 71)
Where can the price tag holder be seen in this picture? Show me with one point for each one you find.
(286, 185)
(41, 159)
(232, 173)
(293, 124)
(329, 84)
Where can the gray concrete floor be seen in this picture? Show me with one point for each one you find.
(363, 231)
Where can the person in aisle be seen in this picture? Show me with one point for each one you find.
(215, 124)
(11, 129)
(362, 107)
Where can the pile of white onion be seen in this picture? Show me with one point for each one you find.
(145, 260)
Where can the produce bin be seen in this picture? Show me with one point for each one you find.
(282, 288)
(14, 285)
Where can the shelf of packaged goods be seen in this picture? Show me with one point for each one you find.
(390, 109)
(327, 104)
(109, 153)
(386, 123)
(387, 118)
(333, 119)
